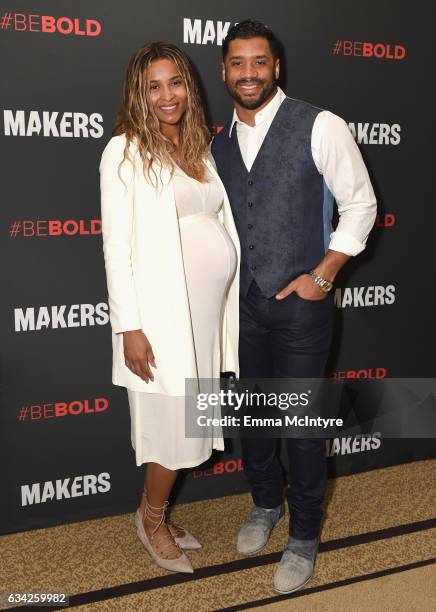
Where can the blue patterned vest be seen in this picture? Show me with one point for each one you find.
(282, 208)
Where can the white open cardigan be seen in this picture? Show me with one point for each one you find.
(145, 274)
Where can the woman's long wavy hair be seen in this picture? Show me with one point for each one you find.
(137, 119)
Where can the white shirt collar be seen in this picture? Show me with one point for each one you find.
(267, 111)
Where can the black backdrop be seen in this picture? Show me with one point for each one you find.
(65, 446)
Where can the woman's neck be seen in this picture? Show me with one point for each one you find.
(172, 132)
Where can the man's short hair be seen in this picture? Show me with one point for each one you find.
(252, 29)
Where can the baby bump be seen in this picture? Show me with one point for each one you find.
(209, 258)
(209, 255)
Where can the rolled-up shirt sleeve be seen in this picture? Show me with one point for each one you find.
(338, 159)
(117, 223)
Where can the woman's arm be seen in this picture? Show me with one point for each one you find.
(117, 198)
(117, 227)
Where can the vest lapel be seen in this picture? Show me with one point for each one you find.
(237, 149)
(273, 132)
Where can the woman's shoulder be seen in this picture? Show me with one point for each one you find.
(115, 147)
(118, 143)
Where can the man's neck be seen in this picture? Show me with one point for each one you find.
(248, 115)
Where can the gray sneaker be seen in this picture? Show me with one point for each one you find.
(254, 534)
(296, 565)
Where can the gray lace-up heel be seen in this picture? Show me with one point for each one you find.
(158, 549)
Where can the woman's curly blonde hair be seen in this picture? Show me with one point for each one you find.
(137, 119)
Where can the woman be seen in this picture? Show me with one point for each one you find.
(172, 264)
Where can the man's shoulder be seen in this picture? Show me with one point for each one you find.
(322, 116)
(293, 104)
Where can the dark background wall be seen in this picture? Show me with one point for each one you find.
(62, 421)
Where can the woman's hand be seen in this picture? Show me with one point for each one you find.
(138, 354)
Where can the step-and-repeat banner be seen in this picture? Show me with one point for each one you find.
(65, 448)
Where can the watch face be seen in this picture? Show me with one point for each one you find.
(326, 285)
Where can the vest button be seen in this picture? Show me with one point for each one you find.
(251, 247)
(250, 204)
(250, 225)
(250, 182)
(253, 267)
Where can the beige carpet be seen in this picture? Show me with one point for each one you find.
(86, 558)
(414, 590)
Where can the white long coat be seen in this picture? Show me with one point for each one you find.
(145, 275)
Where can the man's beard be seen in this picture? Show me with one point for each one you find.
(252, 104)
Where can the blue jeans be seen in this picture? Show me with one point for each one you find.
(287, 338)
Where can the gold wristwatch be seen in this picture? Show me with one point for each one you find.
(324, 284)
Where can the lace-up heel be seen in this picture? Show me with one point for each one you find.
(182, 536)
(161, 544)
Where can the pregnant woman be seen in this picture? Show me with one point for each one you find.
(172, 265)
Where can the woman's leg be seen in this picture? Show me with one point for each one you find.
(158, 484)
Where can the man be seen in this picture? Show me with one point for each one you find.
(282, 162)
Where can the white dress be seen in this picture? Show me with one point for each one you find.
(209, 257)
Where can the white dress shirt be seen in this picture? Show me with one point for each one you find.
(337, 157)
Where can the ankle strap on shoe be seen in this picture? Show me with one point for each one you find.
(165, 505)
(155, 517)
